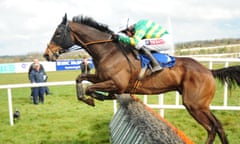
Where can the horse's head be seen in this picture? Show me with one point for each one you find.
(61, 41)
(83, 32)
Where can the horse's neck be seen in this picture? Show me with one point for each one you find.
(102, 51)
(99, 49)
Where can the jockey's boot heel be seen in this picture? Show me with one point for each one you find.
(156, 68)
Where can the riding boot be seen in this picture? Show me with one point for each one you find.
(155, 64)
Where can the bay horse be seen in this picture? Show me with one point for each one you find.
(117, 71)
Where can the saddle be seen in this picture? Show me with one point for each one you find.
(164, 60)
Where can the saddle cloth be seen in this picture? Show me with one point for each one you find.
(163, 59)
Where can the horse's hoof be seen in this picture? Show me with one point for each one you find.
(90, 102)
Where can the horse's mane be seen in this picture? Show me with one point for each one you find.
(92, 23)
(104, 28)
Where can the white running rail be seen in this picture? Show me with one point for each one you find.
(160, 105)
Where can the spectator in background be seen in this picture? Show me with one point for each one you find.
(85, 66)
(37, 75)
(35, 61)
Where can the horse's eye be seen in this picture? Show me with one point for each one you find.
(58, 35)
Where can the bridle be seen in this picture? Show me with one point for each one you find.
(86, 45)
(57, 53)
(65, 40)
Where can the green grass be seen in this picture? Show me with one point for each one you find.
(61, 119)
(65, 120)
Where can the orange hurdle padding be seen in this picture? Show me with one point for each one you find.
(180, 133)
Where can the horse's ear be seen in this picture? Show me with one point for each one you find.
(64, 21)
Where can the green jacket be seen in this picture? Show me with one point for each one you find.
(144, 29)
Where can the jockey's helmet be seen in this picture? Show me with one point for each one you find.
(125, 24)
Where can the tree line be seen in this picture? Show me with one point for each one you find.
(178, 46)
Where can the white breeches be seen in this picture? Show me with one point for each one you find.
(162, 45)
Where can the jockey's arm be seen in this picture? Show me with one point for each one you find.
(126, 40)
(137, 37)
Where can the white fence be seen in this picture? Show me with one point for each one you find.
(160, 105)
(10, 87)
(211, 61)
(209, 48)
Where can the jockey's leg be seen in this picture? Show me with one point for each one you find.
(155, 65)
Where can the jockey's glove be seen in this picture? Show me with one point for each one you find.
(115, 37)
(140, 45)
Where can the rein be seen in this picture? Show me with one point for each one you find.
(92, 42)
(97, 42)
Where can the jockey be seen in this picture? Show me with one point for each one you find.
(147, 36)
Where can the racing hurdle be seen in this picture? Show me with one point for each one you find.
(136, 123)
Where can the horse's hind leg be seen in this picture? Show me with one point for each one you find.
(209, 122)
(197, 104)
(219, 129)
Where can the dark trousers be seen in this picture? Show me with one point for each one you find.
(38, 94)
(46, 91)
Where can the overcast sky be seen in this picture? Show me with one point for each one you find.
(27, 26)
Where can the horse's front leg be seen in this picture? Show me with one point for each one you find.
(96, 90)
(88, 77)
(80, 90)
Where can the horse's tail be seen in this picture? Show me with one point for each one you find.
(230, 75)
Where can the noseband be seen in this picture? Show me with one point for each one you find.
(57, 53)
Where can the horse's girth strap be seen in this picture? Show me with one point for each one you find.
(136, 85)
